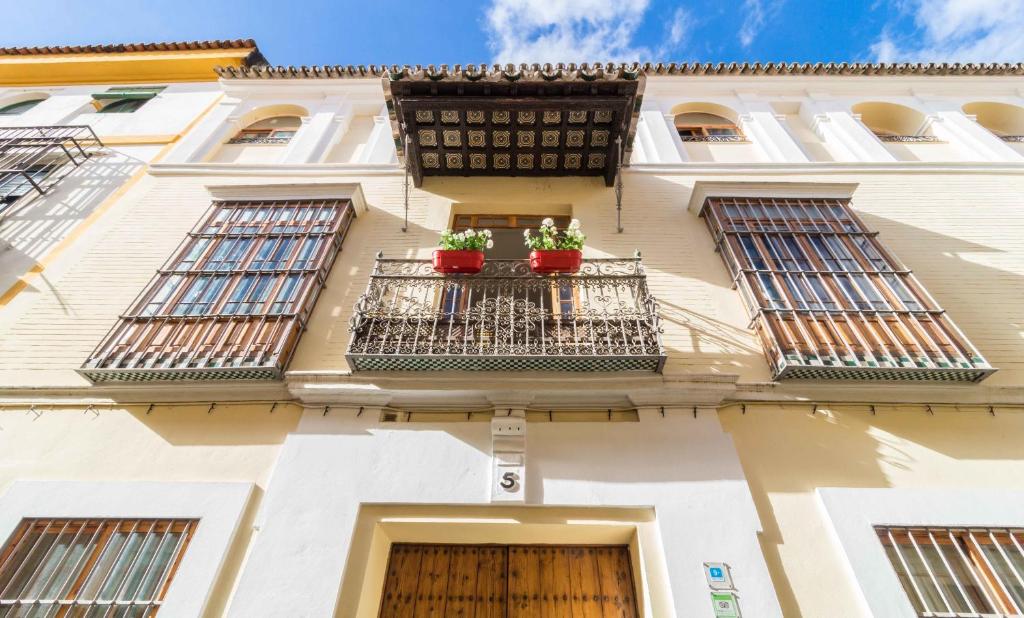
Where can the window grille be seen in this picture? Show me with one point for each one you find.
(828, 301)
(34, 159)
(958, 571)
(233, 300)
(91, 567)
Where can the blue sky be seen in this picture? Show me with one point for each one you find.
(461, 31)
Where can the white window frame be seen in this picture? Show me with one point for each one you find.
(219, 507)
(855, 512)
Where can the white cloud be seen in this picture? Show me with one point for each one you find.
(753, 21)
(575, 31)
(958, 31)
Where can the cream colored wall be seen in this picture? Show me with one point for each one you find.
(181, 442)
(705, 152)
(936, 151)
(953, 230)
(249, 153)
(788, 452)
(351, 145)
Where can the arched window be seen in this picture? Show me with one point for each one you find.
(276, 130)
(891, 122)
(1004, 120)
(122, 106)
(706, 127)
(21, 106)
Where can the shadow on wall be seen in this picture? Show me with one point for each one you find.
(224, 425)
(32, 228)
(707, 335)
(790, 451)
(962, 286)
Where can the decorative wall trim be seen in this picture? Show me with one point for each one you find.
(218, 507)
(854, 512)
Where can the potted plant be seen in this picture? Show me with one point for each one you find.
(554, 251)
(462, 253)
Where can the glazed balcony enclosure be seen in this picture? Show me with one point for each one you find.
(506, 318)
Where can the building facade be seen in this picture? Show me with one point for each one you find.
(783, 382)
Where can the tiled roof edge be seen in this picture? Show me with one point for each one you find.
(474, 72)
(128, 47)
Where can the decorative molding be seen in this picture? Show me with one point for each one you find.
(291, 191)
(702, 190)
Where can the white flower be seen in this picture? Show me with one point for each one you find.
(574, 224)
(490, 244)
(548, 222)
(487, 233)
(526, 233)
(469, 231)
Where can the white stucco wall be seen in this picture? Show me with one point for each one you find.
(685, 468)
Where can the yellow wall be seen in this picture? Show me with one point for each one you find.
(159, 67)
(788, 452)
(952, 230)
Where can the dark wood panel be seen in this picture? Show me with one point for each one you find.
(517, 581)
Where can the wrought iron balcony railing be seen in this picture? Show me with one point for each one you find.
(34, 159)
(507, 318)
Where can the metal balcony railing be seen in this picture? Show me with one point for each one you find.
(507, 318)
(37, 158)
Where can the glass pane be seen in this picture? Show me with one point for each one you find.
(942, 576)
(1003, 569)
(963, 573)
(901, 573)
(919, 572)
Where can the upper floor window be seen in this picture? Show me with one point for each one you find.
(1004, 120)
(233, 300)
(72, 567)
(828, 300)
(276, 130)
(20, 107)
(958, 571)
(124, 100)
(891, 122)
(706, 127)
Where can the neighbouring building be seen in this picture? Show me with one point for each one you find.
(786, 380)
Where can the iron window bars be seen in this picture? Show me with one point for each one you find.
(908, 139)
(233, 300)
(828, 301)
(110, 568)
(37, 158)
(958, 571)
(507, 318)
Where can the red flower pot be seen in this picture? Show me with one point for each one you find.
(458, 262)
(556, 261)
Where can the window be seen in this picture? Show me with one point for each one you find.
(20, 107)
(278, 130)
(15, 185)
(86, 567)
(234, 299)
(828, 300)
(507, 233)
(958, 571)
(704, 127)
(124, 100)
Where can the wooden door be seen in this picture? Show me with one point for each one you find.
(508, 581)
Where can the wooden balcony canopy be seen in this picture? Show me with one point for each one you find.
(550, 120)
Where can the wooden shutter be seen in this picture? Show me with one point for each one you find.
(518, 581)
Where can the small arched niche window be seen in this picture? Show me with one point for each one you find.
(891, 122)
(1006, 121)
(13, 109)
(275, 130)
(698, 126)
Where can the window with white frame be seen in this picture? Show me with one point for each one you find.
(958, 571)
(91, 567)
